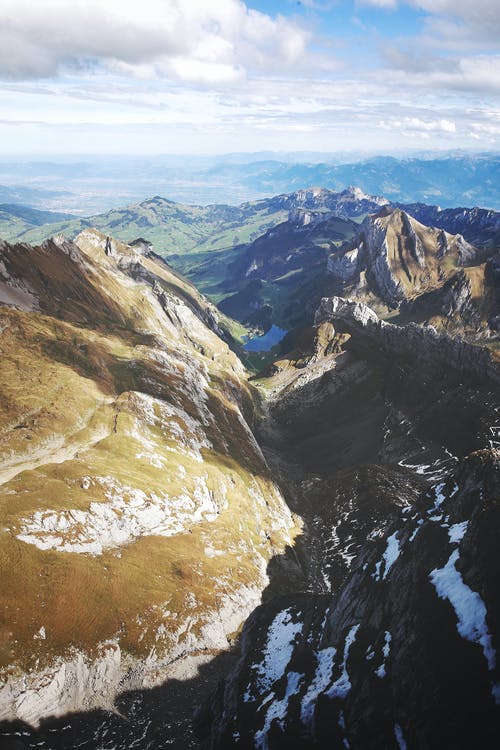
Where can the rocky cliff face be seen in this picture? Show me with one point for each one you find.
(389, 450)
(347, 204)
(426, 274)
(401, 257)
(129, 477)
(480, 226)
(431, 348)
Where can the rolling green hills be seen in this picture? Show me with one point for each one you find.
(173, 228)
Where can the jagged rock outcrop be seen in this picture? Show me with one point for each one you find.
(344, 267)
(303, 217)
(346, 204)
(457, 299)
(401, 257)
(425, 274)
(421, 343)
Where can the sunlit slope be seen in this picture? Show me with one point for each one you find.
(171, 227)
(136, 508)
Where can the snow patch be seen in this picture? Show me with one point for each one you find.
(457, 531)
(416, 530)
(468, 605)
(391, 554)
(398, 732)
(278, 709)
(381, 672)
(342, 686)
(276, 653)
(495, 691)
(326, 662)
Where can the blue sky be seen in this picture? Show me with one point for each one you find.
(189, 76)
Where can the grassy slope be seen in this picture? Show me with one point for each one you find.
(171, 227)
(71, 408)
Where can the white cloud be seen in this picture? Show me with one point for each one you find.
(191, 40)
(379, 3)
(473, 74)
(463, 20)
(220, 75)
(419, 126)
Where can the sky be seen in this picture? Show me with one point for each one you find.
(221, 76)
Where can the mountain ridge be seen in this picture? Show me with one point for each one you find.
(126, 439)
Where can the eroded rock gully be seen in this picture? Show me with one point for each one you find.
(390, 640)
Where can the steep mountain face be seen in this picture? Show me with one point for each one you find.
(400, 257)
(267, 274)
(387, 445)
(396, 263)
(479, 226)
(138, 514)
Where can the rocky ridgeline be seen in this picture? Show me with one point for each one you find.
(480, 226)
(400, 257)
(303, 217)
(345, 204)
(420, 343)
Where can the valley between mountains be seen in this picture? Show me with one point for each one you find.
(206, 547)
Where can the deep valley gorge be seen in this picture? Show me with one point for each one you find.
(207, 546)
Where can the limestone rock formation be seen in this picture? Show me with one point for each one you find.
(402, 258)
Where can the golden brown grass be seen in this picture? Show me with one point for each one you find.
(67, 411)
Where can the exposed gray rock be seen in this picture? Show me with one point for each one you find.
(423, 344)
(457, 299)
(416, 243)
(344, 268)
(376, 262)
(79, 682)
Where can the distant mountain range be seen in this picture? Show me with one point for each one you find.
(269, 262)
(96, 184)
(469, 181)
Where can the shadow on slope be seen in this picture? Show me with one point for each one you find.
(158, 718)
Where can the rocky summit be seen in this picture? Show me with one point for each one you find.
(198, 555)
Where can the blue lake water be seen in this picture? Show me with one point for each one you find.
(266, 342)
